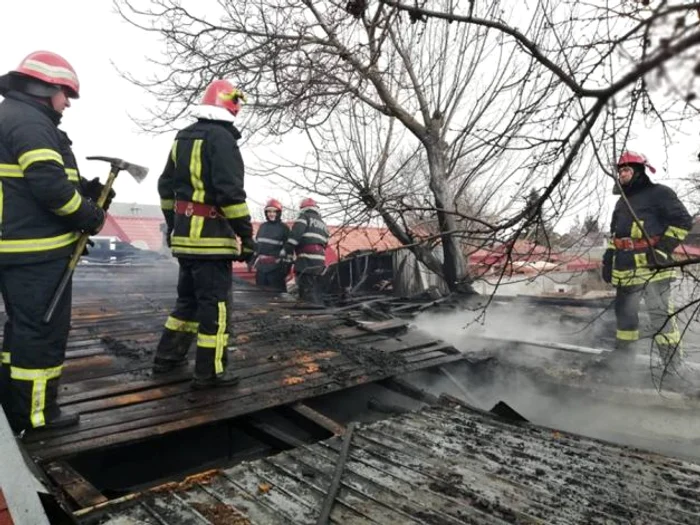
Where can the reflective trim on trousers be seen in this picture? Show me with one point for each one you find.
(38, 377)
(179, 325)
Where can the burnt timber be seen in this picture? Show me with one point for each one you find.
(445, 464)
(283, 354)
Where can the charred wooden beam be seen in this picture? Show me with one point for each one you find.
(403, 387)
(335, 483)
(320, 419)
(80, 490)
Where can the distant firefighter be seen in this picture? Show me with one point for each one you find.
(271, 270)
(308, 240)
(662, 222)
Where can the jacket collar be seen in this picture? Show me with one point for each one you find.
(51, 113)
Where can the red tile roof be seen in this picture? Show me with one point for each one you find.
(347, 239)
(145, 232)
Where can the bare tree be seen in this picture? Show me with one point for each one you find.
(542, 96)
(305, 62)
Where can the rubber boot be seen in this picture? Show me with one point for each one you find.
(172, 351)
(205, 375)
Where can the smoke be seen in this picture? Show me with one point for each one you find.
(513, 321)
(550, 387)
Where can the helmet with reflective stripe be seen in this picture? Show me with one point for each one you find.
(52, 69)
(631, 157)
(273, 204)
(223, 94)
(308, 203)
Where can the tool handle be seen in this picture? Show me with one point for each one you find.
(77, 253)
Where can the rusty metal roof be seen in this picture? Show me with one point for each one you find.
(445, 464)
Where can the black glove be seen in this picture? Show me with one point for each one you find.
(247, 249)
(95, 221)
(168, 240)
(606, 272)
(90, 243)
(658, 256)
(666, 245)
(93, 189)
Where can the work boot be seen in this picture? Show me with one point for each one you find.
(205, 367)
(172, 350)
(62, 420)
(215, 381)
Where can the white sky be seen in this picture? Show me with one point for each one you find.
(93, 38)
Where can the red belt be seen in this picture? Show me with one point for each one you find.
(312, 248)
(198, 209)
(627, 243)
(266, 259)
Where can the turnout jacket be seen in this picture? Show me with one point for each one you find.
(42, 210)
(661, 216)
(205, 167)
(308, 238)
(269, 241)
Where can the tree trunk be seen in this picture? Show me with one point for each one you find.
(422, 254)
(454, 265)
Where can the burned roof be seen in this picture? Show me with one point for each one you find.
(444, 464)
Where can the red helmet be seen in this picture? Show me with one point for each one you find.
(631, 157)
(273, 204)
(223, 94)
(52, 69)
(308, 203)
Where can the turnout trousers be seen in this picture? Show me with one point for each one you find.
(32, 351)
(272, 276)
(201, 313)
(309, 274)
(657, 300)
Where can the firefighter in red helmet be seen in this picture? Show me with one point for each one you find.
(308, 240)
(45, 205)
(270, 270)
(641, 238)
(205, 209)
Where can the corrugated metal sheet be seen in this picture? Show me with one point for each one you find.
(447, 465)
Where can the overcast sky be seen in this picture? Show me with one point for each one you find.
(93, 37)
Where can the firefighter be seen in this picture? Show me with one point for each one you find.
(271, 271)
(636, 245)
(308, 240)
(45, 204)
(204, 205)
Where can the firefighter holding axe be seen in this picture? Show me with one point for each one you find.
(47, 213)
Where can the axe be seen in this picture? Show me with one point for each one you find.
(139, 173)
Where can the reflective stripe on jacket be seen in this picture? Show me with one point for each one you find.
(661, 214)
(205, 166)
(308, 231)
(41, 208)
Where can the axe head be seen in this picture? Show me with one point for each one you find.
(137, 172)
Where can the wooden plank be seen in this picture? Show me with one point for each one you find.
(74, 485)
(403, 387)
(135, 431)
(174, 397)
(131, 380)
(318, 418)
